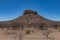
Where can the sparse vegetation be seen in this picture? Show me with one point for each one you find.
(59, 29)
(33, 31)
(47, 32)
(28, 31)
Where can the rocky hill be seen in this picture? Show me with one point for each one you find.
(30, 19)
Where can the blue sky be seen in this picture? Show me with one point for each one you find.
(11, 9)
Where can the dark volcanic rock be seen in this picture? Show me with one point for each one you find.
(27, 12)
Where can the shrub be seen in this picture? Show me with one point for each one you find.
(28, 31)
(33, 31)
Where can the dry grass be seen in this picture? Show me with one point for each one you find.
(37, 35)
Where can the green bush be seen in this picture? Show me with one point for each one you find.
(28, 31)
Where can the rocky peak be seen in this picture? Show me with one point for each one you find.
(29, 12)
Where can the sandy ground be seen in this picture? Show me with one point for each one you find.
(38, 35)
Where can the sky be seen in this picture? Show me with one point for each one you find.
(11, 9)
